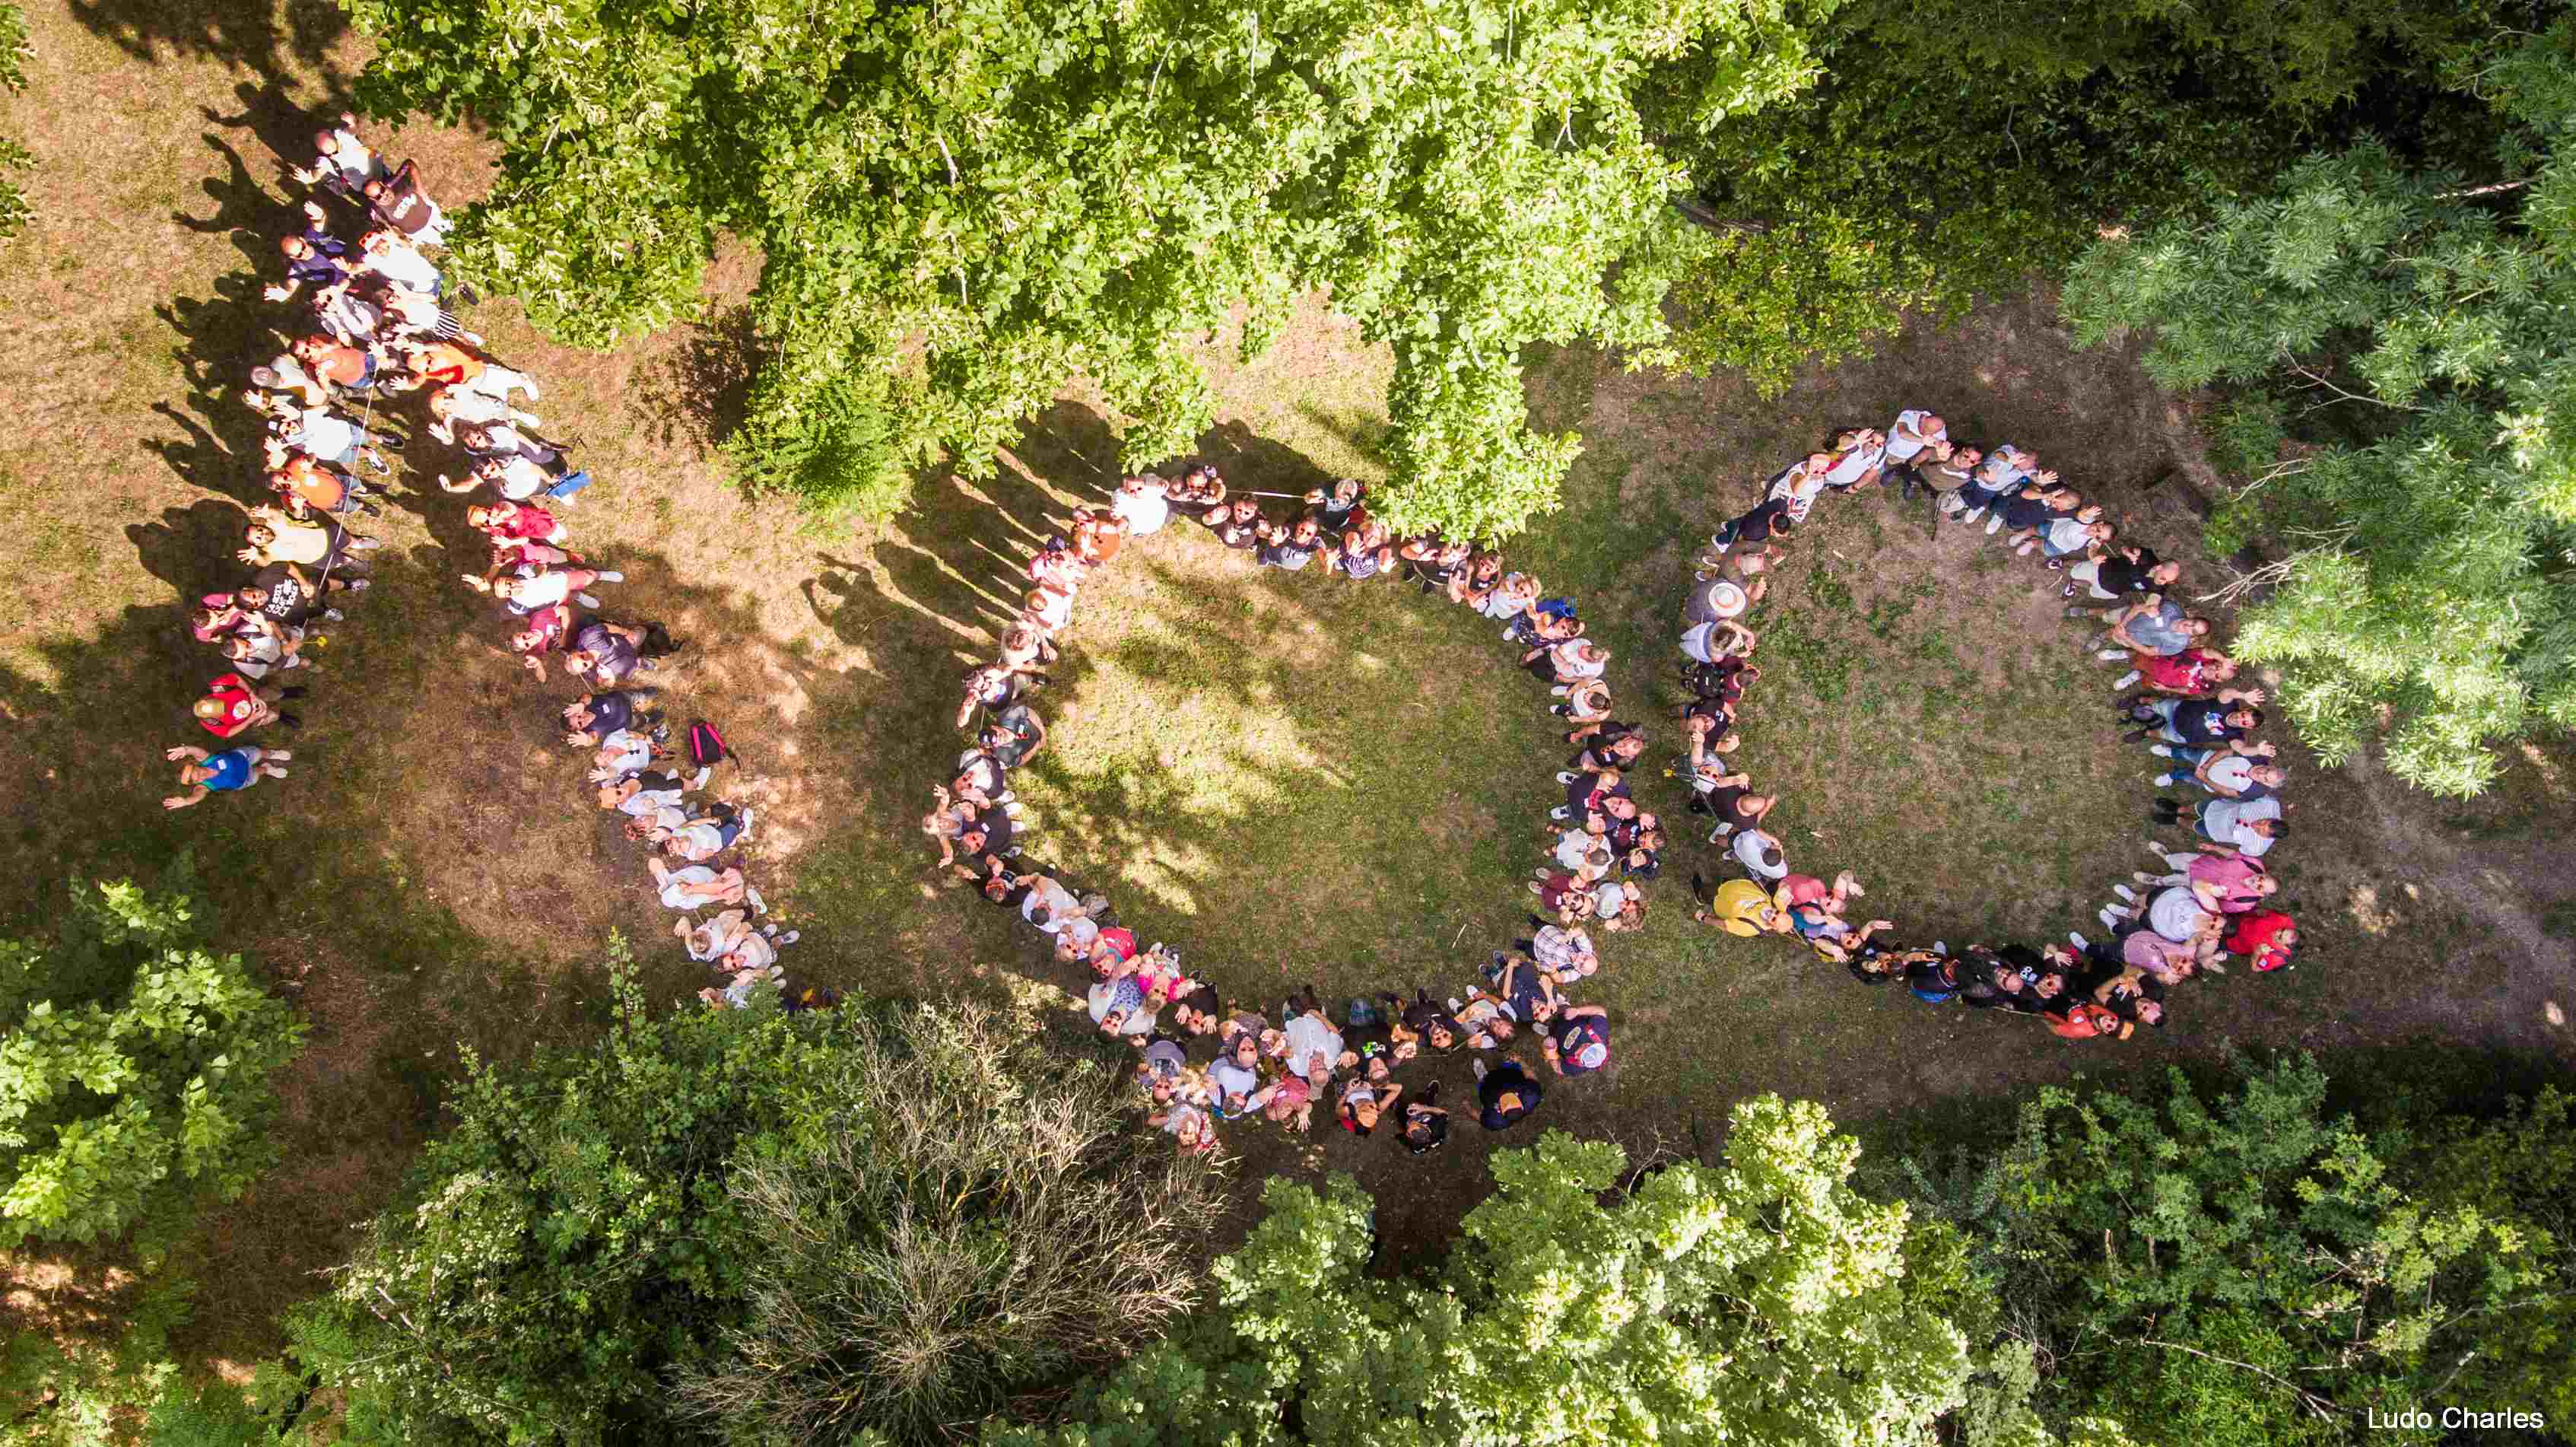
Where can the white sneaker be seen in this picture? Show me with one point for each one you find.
(1994, 526)
(704, 774)
(585, 600)
(2125, 892)
(2162, 751)
(758, 905)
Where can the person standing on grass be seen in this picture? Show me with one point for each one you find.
(397, 200)
(234, 705)
(236, 768)
(1580, 1042)
(343, 164)
(1506, 1094)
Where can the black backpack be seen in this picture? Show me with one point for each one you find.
(707, 746)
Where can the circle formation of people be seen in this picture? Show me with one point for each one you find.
(2197, 907)
(1599, 847)
(374, 328)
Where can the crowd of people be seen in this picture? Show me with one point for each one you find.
(2206, 900)
(1206, 1062)
(371, 330)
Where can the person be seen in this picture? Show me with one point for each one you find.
(1471, 585)
(653, 798)
(1432, 559)
(1289, 1099)
(2193, 673)
(2227, 716)
(1798, 485)
(2083, 1020)
(2247, 827)
(261, 644)
(388, 255)
(307, 486)
(1820, 923)
(1015, 735)
(695, 886)
(1507, 1094)
(277, 537)
(1914, 434)
(1859, 458)
(2266, 937)
(1238, 525)
(707, 835)
(342, 368)
(1234, 1078)
(1290, 548)
(1586, 706)
(2227, 884)
(236, 768)
(592, 717)
(2108, 575)
(343, 163)
(551, 585)
(1946, 472)
(234, 705)
(2235, 770)
(397, 200)
(287, 595)
(1739, 907)
(1426, 1125)
(1429, 1023)
(1527, 986)
(1363, 1101)
(1931, 975)
(1580, 1043)
(2155, 626)
(1760, 854)
(1143, 503)
(1340, 507)
(2005, 470)
(1567, 663)
(605, 654)
(1364, 553)
(314, 258)
(1764, 521)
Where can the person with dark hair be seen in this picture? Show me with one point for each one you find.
(595, 716)
(1362, 1101)
(1426, 1125)
(1234, 1077)
(2233, 826)
(1015, 735)
(1507, 1094)
(1766, 520)
(1289, 548)
(1434, 1026)
(1238, 525)
(1363, 554)
(2228, 715)
(605, 654)
(1431, 559)
(1198, 1011)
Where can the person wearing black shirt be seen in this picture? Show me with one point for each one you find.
(595, 716)
(1238, 524)
(1507, 1094)
(1288, 549)
(2114, 577)
(1763, 523)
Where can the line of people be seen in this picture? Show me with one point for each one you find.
(375, 329)
(2200, 907)
(1598, 848)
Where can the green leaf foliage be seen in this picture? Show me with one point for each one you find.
(761, 1227)
(1759, 1301)
(2395, 343)
(135, 1069)
(962, 206)
(2243, 1267)
(1956, 147)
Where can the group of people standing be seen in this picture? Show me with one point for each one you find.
(2198, 907)
(374, 327)
(1599, 848)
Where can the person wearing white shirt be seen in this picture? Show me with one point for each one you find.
(1143, 504)
(400, 262)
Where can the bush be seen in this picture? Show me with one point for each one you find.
(960, 1226)
(811, 1223)
(135, 1074)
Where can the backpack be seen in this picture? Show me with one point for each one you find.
(707, 746)
(1556, 607)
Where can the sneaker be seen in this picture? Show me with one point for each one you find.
(2079, 941)
(2075, 612)
(752, 896)
(1972, 514)
(359, 585)
(1558, 813)
(1479, 1063)
(2164, 781)
(2162, 751)
(2109, 921)
(1565, 776)
(585, 600)
(1940, 947)
(2127, 678)
(2125, 892)
(333, 615)
(704, 774)
(791, 937)
(1994, 525)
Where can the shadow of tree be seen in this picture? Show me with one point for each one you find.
(269, 38)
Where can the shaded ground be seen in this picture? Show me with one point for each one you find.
(1291, 780)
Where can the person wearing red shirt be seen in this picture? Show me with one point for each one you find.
(515, 522)
(2266, 936)
(234, 705)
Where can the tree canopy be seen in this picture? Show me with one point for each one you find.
(760, 1226)
(2247, 1266)
(2395, 342)
(136, 1068)
(961, 206)
(1763, 1300)
(1953, 149)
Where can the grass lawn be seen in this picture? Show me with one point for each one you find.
(1292, 779)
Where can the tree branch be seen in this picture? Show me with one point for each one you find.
(2320, 1405)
